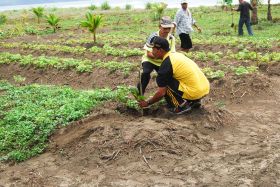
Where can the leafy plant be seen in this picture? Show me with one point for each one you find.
(241, 70)
(148, 6)
(53, 21)
(128, 7)
(92, 22)
(92, 7)
(18, 78)
(211, 74)
(3, 19)
(105, 6)
(159, 10)
(39, 12)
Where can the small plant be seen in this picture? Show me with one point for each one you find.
(211, 74)
(39, 12)
(92, 22)
(105, 6)
(148, 6)
(128, 7)
(92, 7)
(53, 21)
(241, 70)
(159, 10)
(19, 79)
(3, 19)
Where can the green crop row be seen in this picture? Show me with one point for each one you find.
(44, 47)
(64, 63)
(108, 50)
(30, 114)
(241, 55)
(238, 70)
(235, 41)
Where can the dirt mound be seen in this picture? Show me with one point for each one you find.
(237, 89)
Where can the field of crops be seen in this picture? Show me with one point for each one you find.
(67, 117)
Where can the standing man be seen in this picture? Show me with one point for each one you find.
(183, 23)
(149, 61)
(179, 80)
(244, 8)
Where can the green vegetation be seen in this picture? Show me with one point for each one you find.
(3, 19)
(39, 12)
(30, 114)
(158, 9)
(64, 63)
(92, 7)
(128, 7)
(92, 22)
(53, 21)
(105, 6)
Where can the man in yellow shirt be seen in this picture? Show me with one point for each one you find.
(179, 80)
(149, 61)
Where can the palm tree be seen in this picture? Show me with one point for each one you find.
(39, 12)
(53, 21)
(269, 17)
(254, 17)
(92, 22)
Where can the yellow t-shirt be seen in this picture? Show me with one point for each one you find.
(192, 81)
(171, 40)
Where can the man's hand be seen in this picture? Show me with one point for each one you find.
(199, 29)
(143, 104)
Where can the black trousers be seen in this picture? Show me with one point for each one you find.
(148, 67)
(174, 97)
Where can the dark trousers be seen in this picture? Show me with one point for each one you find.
(174, 97)
(148, 67)
(248, 25)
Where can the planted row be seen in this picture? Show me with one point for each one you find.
(239, 71)
(241, 55)
(235, 41)
(64, 63)
(106, 49)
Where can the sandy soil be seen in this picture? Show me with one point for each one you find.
(233, 140)
(235, 145)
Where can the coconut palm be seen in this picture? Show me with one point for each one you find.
(39, 12)
(92, 22)
(53, 21)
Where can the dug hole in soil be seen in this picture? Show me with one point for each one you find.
(233, 140)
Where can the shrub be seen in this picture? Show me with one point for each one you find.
(105, 6)
(128, 7)
(3, 19)
(92, 7)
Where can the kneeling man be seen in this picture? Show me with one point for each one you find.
(179, 80)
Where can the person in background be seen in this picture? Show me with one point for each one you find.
(183, 23)
(244, 8)
(179, 80)
(149, 61)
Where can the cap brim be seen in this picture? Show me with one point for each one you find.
(167, 26)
